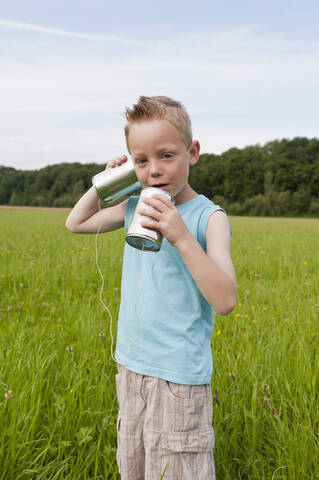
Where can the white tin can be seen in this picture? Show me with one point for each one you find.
(140, 237)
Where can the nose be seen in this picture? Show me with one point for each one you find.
(155, 168)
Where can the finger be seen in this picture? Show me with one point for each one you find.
(110, 164)
(154, 204)
(153, 214)
(116, 162)
(120, 159)
(167, 201)
(150, 224)
(157, 202)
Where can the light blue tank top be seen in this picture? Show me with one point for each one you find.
(165, 324)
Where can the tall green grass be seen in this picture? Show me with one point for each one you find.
(59, 422)
(266, 356)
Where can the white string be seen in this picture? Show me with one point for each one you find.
(102, 285)
(102, 288)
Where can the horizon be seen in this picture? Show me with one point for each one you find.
(202, 153)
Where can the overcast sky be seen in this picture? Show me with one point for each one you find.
(247, 71)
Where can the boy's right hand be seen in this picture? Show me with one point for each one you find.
(116, 162)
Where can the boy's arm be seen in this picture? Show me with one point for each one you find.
(213, 272)
(87, 218)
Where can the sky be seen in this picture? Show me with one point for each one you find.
(247, 72)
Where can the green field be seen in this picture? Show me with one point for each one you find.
(58, 404)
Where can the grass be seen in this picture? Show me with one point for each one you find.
(58, 405)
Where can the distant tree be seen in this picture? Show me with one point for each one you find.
(255, 206)
(77, 191)
(314, 207)
(5, 170)
(283, 203)
(301, 200)
(234, 165)
(4, 197)
(63, 201)
(279, 178)
(14, 199)
(269, 194)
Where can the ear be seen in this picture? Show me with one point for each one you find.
(194, 150)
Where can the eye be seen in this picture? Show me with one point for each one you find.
(141, 161)
(167, 155)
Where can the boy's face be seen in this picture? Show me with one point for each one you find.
(161, 158)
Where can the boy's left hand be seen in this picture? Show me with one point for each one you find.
(165, 218)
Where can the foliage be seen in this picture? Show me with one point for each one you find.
(53, 186)
(280, 178)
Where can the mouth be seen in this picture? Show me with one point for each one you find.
(161, 185)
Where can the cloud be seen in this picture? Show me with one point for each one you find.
(66, 33)
(217, 139)
(62, 102)
(36, 149)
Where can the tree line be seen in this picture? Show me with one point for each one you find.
(280, 178)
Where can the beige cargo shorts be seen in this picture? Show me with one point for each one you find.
(163, 425)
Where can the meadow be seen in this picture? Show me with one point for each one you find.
(58, 404)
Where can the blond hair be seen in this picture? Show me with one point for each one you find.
(160, 108)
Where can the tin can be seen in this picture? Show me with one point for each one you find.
(140, 237)
(114, 185)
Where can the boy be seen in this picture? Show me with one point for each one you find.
(164, 328)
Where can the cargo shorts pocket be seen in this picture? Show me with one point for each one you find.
(195, 442)
(188, 456)
(184, 408)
